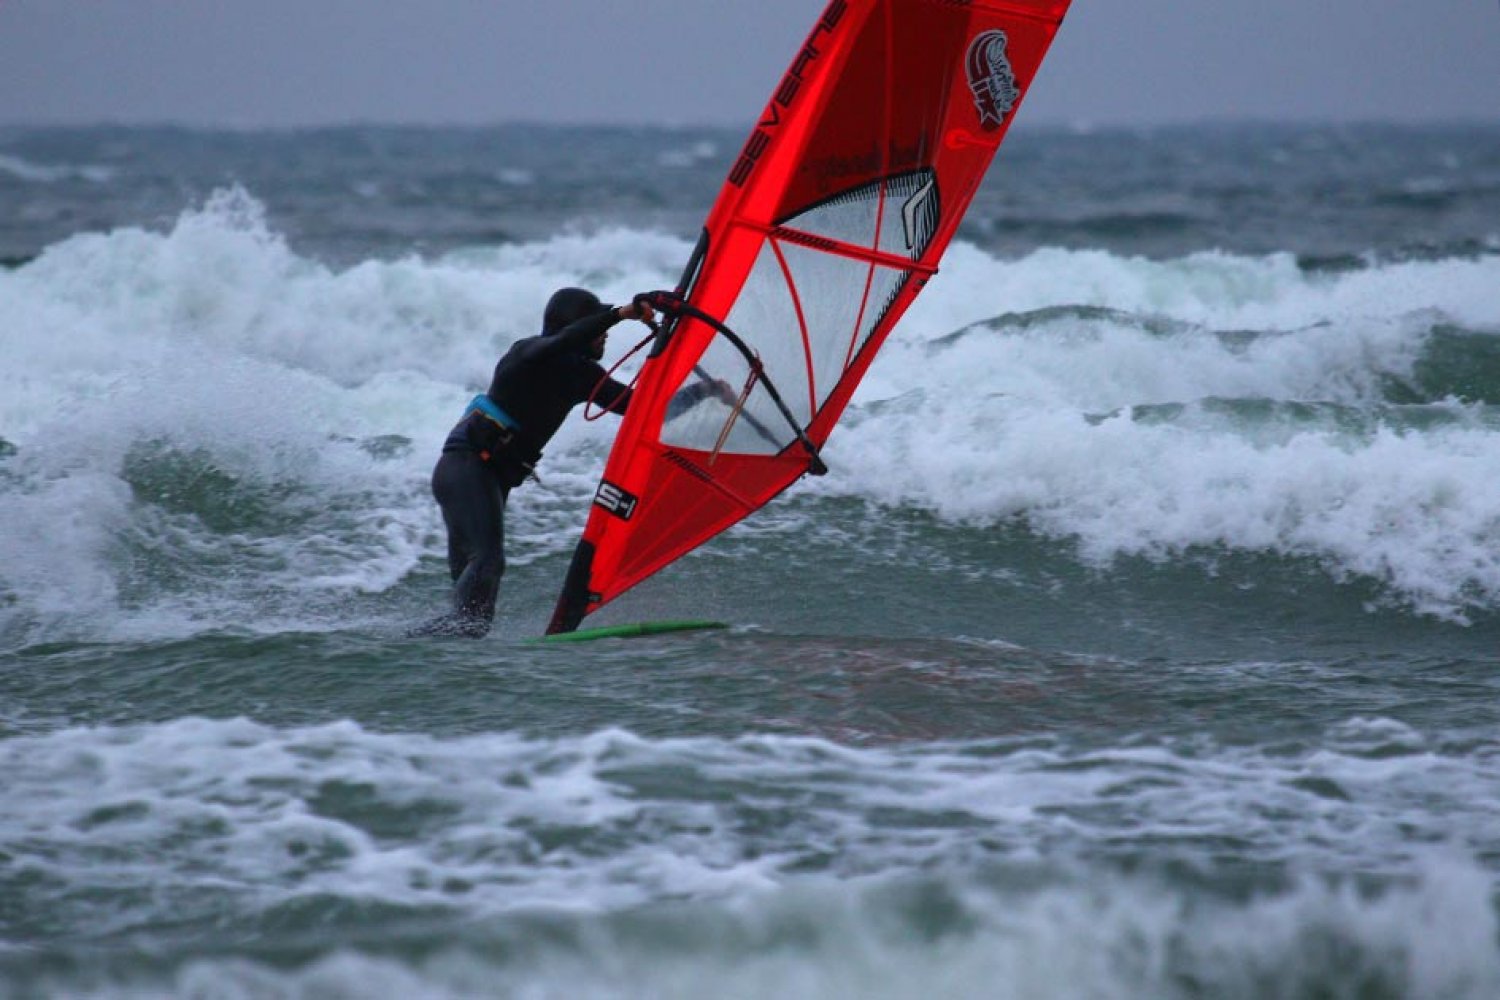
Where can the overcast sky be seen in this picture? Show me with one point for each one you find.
(300, 62)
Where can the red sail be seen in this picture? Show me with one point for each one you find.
(832, 219)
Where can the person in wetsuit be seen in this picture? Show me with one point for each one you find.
(499, 441)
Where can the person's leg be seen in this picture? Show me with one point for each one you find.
(458, 551)
(473, 506)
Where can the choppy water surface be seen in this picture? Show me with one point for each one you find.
(1140, 643)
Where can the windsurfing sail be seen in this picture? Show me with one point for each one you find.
(833, 217)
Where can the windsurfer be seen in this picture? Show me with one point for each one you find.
(497, 444)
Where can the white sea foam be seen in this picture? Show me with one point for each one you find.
(1039, 420)
(783, 866)
(216, 339)
(1106, 937)
(38, 173)
(497, 823)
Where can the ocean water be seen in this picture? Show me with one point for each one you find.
(1143, 641)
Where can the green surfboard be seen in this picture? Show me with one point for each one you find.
(632, 631)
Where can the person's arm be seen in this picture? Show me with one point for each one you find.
(580, 333)
(612, 396)
(571, 338)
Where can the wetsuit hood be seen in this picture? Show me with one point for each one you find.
(568, 305)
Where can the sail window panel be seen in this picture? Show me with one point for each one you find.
(912, 211)
(831, 289)
(849, 217)
(765, 316)
(886, 284)
(906, 219)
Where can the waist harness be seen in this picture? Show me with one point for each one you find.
(492, 432)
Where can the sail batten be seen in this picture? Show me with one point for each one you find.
(866, 254)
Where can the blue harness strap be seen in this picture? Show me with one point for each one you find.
(484, 404)
(494, 439)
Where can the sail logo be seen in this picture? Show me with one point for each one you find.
(991, 78)
(786, 93)
(615, 500)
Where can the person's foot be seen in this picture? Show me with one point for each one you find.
(455, 626)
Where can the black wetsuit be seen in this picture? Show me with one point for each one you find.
(538, 381)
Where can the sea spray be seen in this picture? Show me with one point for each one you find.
(1126, 406)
